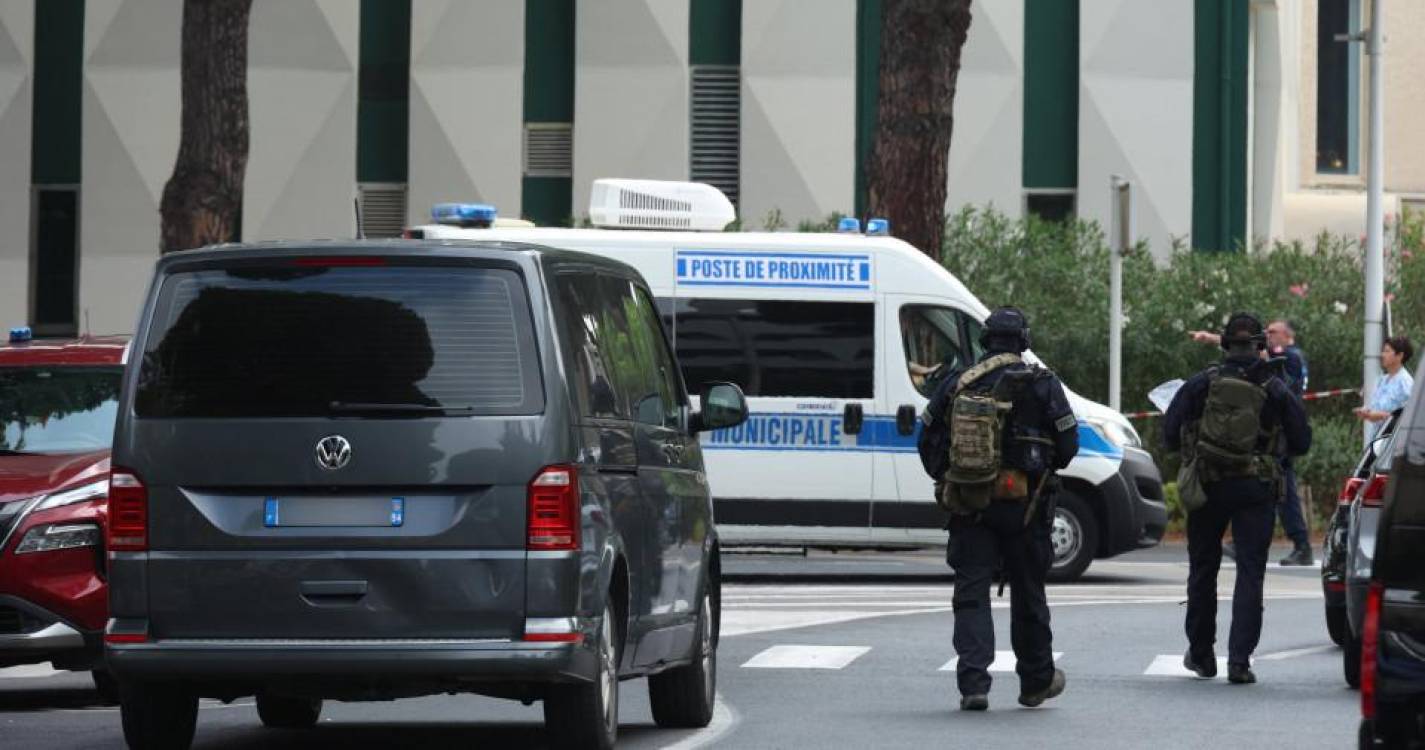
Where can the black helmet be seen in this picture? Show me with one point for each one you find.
(1006, 323)
(1244, 328)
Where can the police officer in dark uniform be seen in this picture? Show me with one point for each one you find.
(1246, 502)
(1040, 437)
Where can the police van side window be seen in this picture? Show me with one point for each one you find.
(932, 336)
(583, 327)
(777, 347)
(973, 329)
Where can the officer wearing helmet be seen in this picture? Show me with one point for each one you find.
(1234, 423)
(994, 435)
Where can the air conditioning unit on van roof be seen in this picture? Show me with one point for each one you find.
(659, 204)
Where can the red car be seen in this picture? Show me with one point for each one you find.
(58, 400)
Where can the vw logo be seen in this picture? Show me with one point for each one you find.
(333, 452)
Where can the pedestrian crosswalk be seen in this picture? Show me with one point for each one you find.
(792, 656)
(1004, 662)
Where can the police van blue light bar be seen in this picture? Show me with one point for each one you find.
(878, 227)
(849, 225)
(21, 334)
(464, 214)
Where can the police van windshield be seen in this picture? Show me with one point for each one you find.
(57, 409)
(387, 341)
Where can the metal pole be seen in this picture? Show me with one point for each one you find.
(1120, 198)
(1375, 224)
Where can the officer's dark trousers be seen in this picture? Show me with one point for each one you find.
(976, 550)
(1293, 522)
(1247, 506)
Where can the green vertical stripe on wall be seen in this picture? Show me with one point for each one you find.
(59, 81)
(1219, 131)
(383, 91)
(715, 32)
(549, 61)
(548, 97)
(1051, 94)
(868, 89)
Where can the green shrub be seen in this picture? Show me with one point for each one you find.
(1058, 274)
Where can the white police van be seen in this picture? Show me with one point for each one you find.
(830, 337)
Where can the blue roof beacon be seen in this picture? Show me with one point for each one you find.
(468, 215)
(21, 334)
(849, 225)
(878, 227)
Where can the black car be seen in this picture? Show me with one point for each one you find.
(1393, 624)
(1363, 523)
(1334, 552)
(375, 470)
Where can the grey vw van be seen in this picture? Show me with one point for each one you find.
(374, 470)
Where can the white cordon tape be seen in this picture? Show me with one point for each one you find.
(1305, 397)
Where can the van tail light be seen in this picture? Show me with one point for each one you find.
(1348, 492)
(1370, 650)
(553, 519)
(1374, 494)
(128, 512)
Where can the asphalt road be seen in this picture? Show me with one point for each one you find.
(850, 651)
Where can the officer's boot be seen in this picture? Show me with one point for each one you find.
(1300, 556)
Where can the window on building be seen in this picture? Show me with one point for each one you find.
(716, 119)
(382, 115)
(777, 347)
(1338, 88)
(55, 168)
(715, 86)
(56, 256)
(1050, 206)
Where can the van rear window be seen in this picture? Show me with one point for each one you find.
(384, 341)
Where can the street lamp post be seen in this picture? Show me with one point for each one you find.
(1375, 218)
(1121, 239)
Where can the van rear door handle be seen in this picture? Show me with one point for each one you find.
(852, 419)
(332, 593)
(905, 419)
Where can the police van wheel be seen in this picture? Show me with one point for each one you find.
(1073, 538)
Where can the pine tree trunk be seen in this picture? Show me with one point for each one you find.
(202, 202)
(920, 62)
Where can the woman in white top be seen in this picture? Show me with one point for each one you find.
(1394, 387)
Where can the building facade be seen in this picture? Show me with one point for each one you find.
(1235, 120)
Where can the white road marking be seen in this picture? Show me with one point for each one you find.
(29, 672)
(1293, 653)
(724, 720)
(1171, 665)
(806, 657)
(1004, 662)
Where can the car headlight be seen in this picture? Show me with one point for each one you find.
(51, 537)
(1116, 433)
(80, 494)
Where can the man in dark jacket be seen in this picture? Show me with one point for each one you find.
(1246, 501)
(1040, 437)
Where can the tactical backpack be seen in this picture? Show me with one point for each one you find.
(1222, 444)
(973, 476)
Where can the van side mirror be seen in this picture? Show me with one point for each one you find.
(723, 405)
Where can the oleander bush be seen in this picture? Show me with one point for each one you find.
(1058, 274)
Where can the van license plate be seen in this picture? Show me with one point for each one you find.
(364, 512)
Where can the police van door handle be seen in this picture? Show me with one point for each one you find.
(852, 419)
(905, 419)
